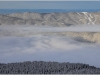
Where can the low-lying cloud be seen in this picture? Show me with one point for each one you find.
(77, 28)
(16, 48)
(48, 48)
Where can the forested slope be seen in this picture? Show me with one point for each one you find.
(41, 67)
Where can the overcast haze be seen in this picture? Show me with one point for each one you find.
(49, 4)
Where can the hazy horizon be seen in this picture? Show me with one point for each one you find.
(49, 4)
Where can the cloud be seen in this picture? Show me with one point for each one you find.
(16, 48)
(30, 28)
(48, 48)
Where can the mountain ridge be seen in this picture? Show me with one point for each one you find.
(51, 19)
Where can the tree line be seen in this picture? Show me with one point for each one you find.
(42, 67)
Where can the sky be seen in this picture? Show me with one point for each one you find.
(49, 4)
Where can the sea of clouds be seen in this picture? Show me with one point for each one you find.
(47, 48)
(77, 28)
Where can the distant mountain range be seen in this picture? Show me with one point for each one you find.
(50, 19)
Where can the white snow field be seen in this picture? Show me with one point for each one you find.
(28, 43)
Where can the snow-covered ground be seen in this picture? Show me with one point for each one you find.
(17, 45)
